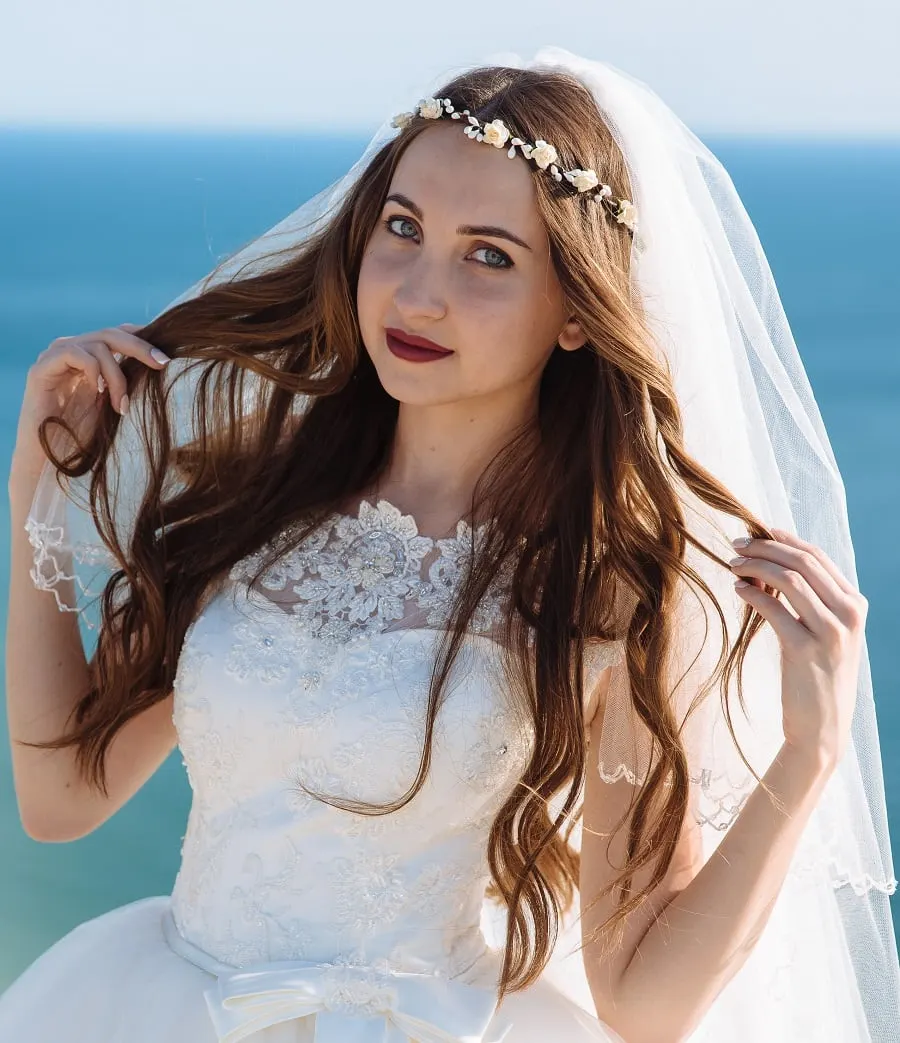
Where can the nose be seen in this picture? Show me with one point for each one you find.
(420, 293)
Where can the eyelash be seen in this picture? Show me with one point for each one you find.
(388, 221)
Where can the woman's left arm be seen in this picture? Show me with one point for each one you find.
(703, 931)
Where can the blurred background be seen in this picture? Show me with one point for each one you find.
(141, 144)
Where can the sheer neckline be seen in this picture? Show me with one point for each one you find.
(384, 512)
(368, 570)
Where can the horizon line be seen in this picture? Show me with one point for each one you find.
(330, 130)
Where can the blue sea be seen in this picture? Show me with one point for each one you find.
(99, 228)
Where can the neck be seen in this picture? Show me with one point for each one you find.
(438, 455)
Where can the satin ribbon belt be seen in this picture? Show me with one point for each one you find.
(351, 1003)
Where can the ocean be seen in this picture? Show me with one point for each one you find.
(103, 227)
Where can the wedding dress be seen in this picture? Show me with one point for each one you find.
(291, 920)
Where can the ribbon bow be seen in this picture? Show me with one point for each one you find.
(352, 1005)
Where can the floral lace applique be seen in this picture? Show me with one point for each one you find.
(268, 901)
(356, 575)
(372, 888)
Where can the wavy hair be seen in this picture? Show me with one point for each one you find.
(608, 529)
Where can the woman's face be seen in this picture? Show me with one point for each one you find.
(460, 256)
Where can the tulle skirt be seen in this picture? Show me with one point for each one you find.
(128, 976)
(118, 979)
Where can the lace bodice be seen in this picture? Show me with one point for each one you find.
(318, 674)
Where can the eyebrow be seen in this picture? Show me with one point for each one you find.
(493, 230)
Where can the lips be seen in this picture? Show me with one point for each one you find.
(416, 342)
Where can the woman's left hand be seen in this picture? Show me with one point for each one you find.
(821, 645)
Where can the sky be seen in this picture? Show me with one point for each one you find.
(784, 67)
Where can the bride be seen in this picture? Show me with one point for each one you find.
(522, 697)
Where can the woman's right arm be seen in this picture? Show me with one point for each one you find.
(46, 668)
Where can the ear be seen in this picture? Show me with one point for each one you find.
(572, 336)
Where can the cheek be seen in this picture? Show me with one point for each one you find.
(373, 289)
(510, 306)
(381, 265)
(496, 307)
(506, 337)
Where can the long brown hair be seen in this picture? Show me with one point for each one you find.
(608, 527)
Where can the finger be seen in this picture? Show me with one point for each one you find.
(111, 375)
(71, 357)
(786, 626)
(123, 343)
(96, 370)
(813, 613)
(843, 598)
(820, 555)
(808, 565)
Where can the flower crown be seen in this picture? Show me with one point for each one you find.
(496, 133)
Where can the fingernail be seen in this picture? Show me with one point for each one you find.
(738, 561)
(101, 384)
(160, 356)
(123, 405)
(741, 541)
(742, 583)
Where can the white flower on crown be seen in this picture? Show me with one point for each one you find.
(431, 108)
(495, 133)
(543, 154)
(626, 214)
(583, 180)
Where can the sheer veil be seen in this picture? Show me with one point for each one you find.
(828, 954)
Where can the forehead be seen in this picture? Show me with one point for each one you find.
(444, 170)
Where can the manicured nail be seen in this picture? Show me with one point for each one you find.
(741, 541)
(101, 384)
(742, 583)
(160, 356)
(123, 405)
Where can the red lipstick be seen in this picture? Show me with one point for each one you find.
(412, 348)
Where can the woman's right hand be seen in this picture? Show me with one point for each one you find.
(77, 372)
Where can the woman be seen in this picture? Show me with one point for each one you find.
(438, 642)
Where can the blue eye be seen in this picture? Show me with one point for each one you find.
(391, 220)
(506, 262)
